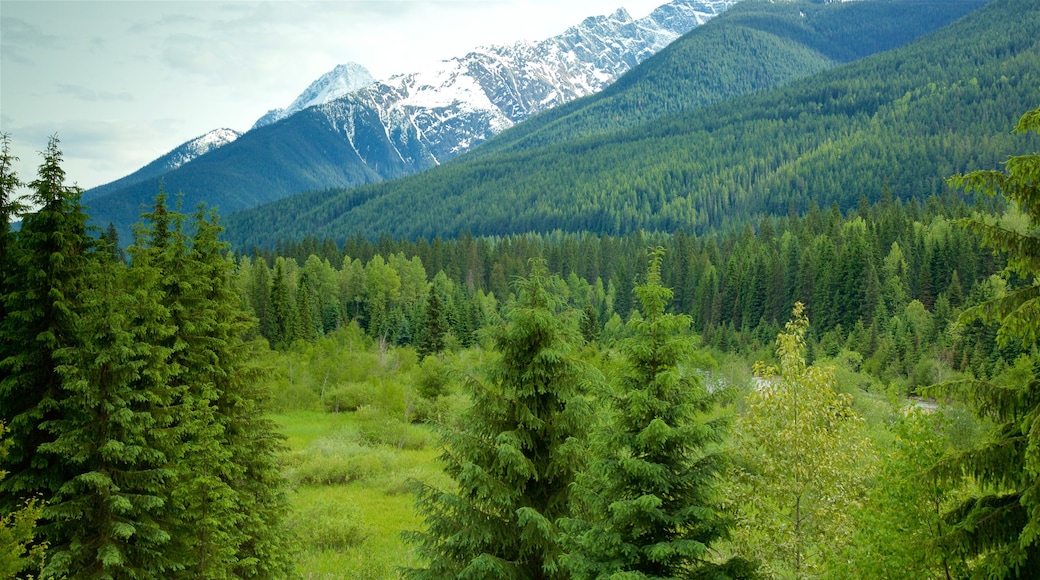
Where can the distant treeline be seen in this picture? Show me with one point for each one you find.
(884, 281)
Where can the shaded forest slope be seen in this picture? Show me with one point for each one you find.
(908, 117)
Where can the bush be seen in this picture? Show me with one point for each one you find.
(378, 429)
(341, 458)
(433, 378)
(286, 398)
(329, 526)
(350, 397)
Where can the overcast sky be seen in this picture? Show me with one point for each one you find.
(123, 82)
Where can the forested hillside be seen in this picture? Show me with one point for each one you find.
(907, 117)
(754, 46)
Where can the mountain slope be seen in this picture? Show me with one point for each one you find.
(909, 116)
(184, 153)
(411, 122)
(754, 46)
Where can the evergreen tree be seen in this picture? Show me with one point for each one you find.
(9, 209)
(44, 275)
(590, 329)
(653, 506)
(514, 456)
(253, 520)
(110, 518)
(281, 312)
(435, 327)
(997, 532)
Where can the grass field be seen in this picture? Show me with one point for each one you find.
(348, 474)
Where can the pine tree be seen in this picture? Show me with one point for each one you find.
(514, 456)
(9, 209)
(998, 531)
(281, 312)
(44, 276)
(590, 329)
(435, 327)
(110, 517)
(651, 491)
(254, 521)
(83, 391)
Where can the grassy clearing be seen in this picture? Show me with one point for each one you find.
(350, 498)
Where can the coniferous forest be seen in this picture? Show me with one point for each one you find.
(845, 389)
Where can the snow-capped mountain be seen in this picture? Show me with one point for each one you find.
(346, 130)
(339, 82)
(183, 153)
(198, 146)
(432, 115)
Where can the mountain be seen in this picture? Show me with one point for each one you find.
(410, 122)
(184, 153)
(906, 117)
(337, 83)
(755, 46)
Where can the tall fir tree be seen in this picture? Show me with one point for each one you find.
(228, 506)
(997, 532)
(112, 432)
(44, 277)
(261, 544)
(651, 491)
(435, 326)
(82, 388)
(515, 456)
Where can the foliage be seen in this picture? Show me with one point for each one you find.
(802, 463)
(899, 523)
(129, 391)
(17, 531)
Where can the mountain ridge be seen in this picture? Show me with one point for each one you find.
(906, 117)
(386, 130)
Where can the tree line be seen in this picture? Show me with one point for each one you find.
(885, 281)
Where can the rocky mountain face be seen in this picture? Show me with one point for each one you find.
(338, 82)
(430, 116)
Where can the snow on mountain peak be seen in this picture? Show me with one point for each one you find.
(340, 81)
(422, 118)
(199, 146)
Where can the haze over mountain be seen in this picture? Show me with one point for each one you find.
(346, 130)
(907, 117)
(183, 153)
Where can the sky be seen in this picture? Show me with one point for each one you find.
(124, 82)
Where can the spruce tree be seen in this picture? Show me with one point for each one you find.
(652, 505)
(281, 311)
(247, 437)
(435, 327)
(83, 388)
(514, 456)
(590, 329)
(997, 532)
(9, 209)
(109, 518)
(224, 494)
(44, 273)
